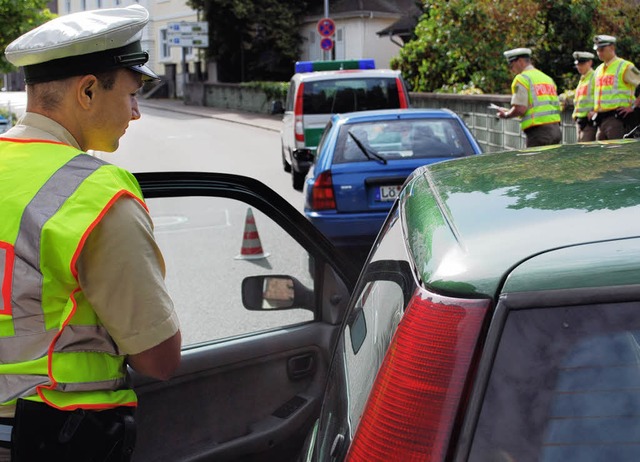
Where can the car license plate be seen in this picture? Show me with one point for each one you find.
(388, 193)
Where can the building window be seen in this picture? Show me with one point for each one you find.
(165, 50)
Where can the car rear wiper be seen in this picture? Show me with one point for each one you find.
(368, 152)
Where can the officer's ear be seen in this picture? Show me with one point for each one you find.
(85, 90)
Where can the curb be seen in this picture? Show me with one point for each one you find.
(214, 113)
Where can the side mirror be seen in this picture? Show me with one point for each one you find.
(275, 292)
(277, 107)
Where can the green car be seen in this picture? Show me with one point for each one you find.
(497, 317)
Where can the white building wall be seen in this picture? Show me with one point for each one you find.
(355, 38)
(161, 13)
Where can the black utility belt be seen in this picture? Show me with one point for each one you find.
(606, 115)
(42, 432)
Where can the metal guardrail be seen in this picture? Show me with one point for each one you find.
(493, 134)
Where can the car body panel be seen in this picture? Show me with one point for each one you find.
(365, 189)
(475, 247)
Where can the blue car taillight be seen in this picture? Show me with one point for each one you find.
(417, 393)
(322, 196)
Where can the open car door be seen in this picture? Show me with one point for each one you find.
(260, 294)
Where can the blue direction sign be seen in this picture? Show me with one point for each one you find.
(326, 44)
(326, 27)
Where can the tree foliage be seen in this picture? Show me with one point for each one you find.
(18, 17)
(458, 44)
(256, 40)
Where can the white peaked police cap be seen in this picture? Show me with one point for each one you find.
(582, 56)
(83, 43)
(603, 40)
(516, 53)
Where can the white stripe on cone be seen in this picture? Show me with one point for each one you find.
(251, 246)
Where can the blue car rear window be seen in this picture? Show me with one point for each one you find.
(402, 139)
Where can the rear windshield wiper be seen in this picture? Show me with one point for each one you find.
(368, 152)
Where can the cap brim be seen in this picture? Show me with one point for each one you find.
(145, 71)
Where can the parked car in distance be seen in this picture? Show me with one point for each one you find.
(364, 158)
(319, 89)
(497, 317)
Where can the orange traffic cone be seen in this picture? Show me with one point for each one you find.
(251, 245)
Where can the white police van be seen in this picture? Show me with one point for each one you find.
(322, 88)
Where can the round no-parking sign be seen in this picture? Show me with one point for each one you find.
(326, 27)
(326, 44)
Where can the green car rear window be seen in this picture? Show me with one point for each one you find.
(348, 95)
(565, 386)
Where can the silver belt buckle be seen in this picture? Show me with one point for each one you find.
(5, 432)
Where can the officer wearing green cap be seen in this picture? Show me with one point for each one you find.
(583, 98)
(615, 84)
(86, 296)
(534, 99)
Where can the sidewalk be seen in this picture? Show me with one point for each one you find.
(264, 121)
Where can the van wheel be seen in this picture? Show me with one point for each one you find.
(297, 179)
(285, 165)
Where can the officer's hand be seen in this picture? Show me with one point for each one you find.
(624, 111)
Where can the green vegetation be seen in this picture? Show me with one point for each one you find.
(458, 44)
(256, 40)
(18, 17)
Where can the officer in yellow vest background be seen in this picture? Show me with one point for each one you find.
(534, 99)
(583, 98)
(614, 90)
(81, 276)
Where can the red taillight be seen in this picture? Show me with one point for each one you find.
(402, 97)
(322, 197)
(297, 114)
(415, 398)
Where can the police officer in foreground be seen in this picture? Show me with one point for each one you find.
(583, 98)
(615, 86)
(534, 99)
(83, 292)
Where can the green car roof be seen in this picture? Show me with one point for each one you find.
(470, 222)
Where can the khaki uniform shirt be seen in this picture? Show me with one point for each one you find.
(131, 299)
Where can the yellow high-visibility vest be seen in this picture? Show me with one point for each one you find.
(544, 106)
(583, 98)
(53, 347)
(611, 91)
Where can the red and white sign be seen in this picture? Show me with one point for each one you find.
(326, 27)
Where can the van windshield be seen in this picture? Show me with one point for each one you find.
(348, 95)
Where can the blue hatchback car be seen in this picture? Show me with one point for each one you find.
(363, 158)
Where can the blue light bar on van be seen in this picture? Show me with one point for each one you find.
(311, 66)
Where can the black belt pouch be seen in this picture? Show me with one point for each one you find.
(42, 432)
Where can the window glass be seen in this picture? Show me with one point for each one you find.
(565, 385)
(401, 139)
(207, 244)
(290, 97)
(347, 95)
